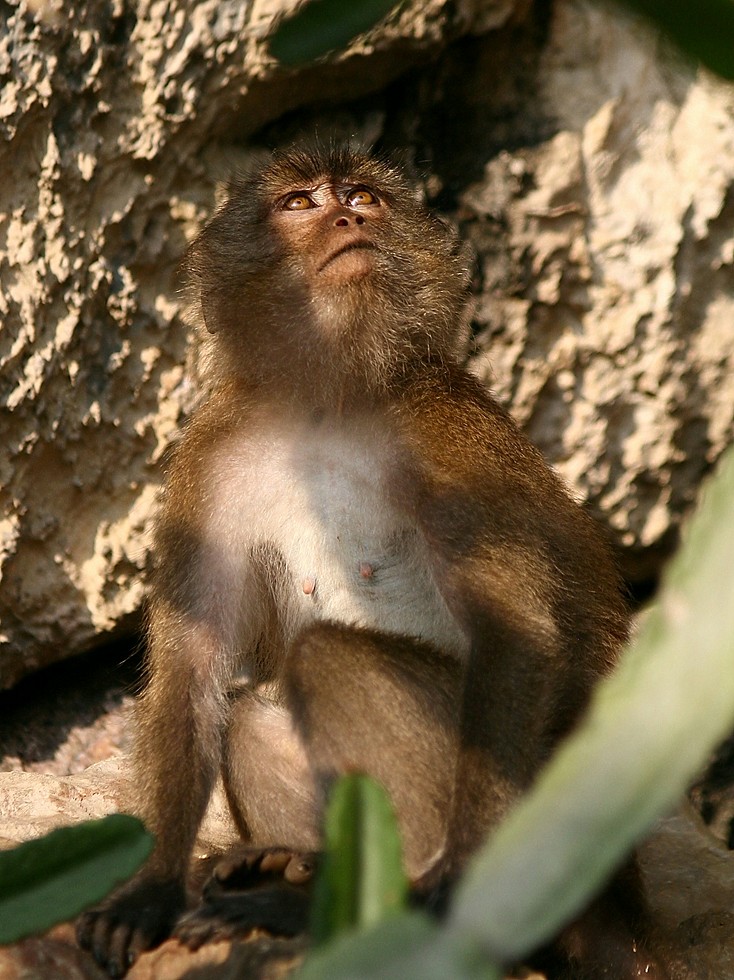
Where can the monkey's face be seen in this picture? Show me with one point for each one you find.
(334, 229)
(350, 242)
(325, 265)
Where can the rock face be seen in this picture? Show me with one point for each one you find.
(607, 314)
(591, 171)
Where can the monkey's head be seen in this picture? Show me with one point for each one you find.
(323, 269)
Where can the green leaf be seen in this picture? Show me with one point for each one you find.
(651, 726)
(361, 878)
(54, 878)
(702, 29)
(407, 947)
(324, 25)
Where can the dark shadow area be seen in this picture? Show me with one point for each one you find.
(640, 592)
(713, 794)
(457, 110)
(39, 713)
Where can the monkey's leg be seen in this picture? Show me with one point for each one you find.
(355, 701)
(268, 778)
(272, 794)
(388, 706)
(359, 701)
(179, 721)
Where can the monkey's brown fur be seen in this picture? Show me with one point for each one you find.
(355, 526)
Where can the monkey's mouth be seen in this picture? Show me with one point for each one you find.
(344, 249)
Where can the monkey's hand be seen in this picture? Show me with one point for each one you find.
(136, 917)
(252, 889)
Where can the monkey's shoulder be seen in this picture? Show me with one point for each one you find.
(449, 421)
(450, 399)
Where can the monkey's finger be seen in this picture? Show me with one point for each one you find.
(196, 928)
(99, 937)
(237, 870)
(277, 909)
(139, 942)
(300, 869)
(228, 868)
(85, 928)
(275, 861)
(110, 947)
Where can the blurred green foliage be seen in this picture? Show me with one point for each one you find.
(361, 879)
(651, 726)
(54, 878)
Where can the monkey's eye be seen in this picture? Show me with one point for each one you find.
(297, 202)
(361, 196)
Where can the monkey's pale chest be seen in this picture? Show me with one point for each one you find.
(350, 556)
(352, 560)
(346, 552)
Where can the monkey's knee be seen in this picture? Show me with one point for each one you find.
(317, 651)
(335, 664)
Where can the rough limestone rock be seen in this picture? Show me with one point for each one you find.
(590, 169)
(33, 803)
(607, 309)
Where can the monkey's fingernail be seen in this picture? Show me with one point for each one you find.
(299, 872)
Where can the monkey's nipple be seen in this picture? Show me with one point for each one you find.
(309, 585)
(366, 570)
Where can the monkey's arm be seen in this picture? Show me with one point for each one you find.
(179, 731)
(525, 572)
(205, 608)
(179, 720)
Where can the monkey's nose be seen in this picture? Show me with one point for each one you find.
(343, 221)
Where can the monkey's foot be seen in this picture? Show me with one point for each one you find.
(251, 867)
(251, 889)
(138, 916)
(279, 910)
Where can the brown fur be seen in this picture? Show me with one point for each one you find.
(353, 525)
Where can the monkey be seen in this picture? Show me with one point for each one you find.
(362, 564)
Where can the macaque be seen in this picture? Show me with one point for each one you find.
(362, 564)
